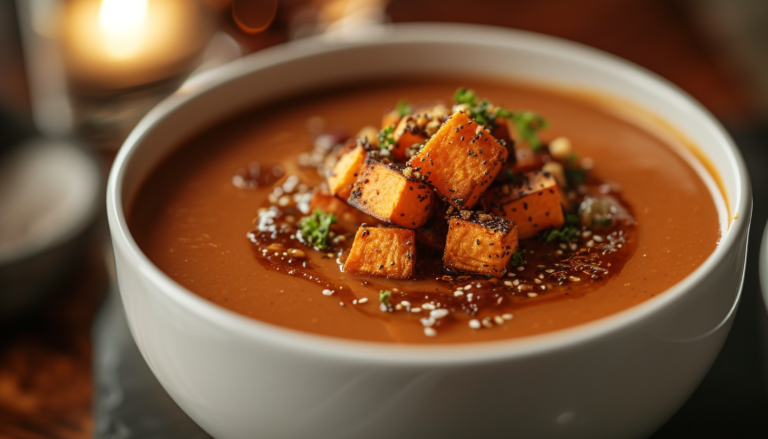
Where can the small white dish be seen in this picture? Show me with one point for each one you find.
(621, 376)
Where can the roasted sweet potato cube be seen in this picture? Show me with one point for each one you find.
(383, 192)
(345, 172)
(386, 252)
(407, 133)
(479, 243)
(346, 215)
(460, 160)
(526, 160)
(533, 202)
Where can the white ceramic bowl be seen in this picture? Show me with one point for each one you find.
(620, 376)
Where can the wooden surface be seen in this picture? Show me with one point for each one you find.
(45, 361)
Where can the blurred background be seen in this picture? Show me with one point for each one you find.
(77, 75)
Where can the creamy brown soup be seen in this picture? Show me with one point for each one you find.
(194, 215)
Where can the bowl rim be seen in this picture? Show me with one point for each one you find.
(424, 354)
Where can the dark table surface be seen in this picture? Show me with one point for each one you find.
(48, 360)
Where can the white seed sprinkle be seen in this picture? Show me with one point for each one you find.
(406, 303)
(543, 287)
(428, 306)
(499, 320)
(538, 281)
(573, 246)
(520, 268)
(574, 278)
(474, 324)
(354, 302)
(507, 316)
(363, 300)
(398, 307)
(559, 252)
(508, 283)
(586, 234)
(469, 297)
(438, 313)
(541, 276)
(563, 246)
(598, 238)
(532, 294)
(341, 303)
(487, 322)
(590, 243)
(327, 292)
(516, 282)
(427, 321)
(479, 285)
(417, 309)
(511, 275)
(467, 287)
(458, 293)
(430, 332)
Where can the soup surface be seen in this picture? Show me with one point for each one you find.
(197, 216)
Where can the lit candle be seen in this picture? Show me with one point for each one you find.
(115, 44)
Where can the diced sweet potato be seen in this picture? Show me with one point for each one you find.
(479, 243)
(460, 160)
(386, 252)
(407, 133)
(433, 233)
(526, 160)
(383, 192)
(532, 202)
(346, 215)
(345, 172)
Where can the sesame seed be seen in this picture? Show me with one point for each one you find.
(520, 268)
(363, 300)
(341, 303)
(508, 283)
(590, 243)
(574, 278)
(532, 294)
(499, 320)
(430, 332)
(598, 238)
(468, 287)
(438, 313)
(586, 234)
(354, 302)
(538, 281)
(327, 292)
(398, 307)
(428, 306)
(474, 324)
(469, 297)
(406, 303)
(427, 321)
(417, 309)
(516, 282)
(543, 287)
(563, 246)
(487, 322)
(559, 252)
(458, 293)
(507, 316)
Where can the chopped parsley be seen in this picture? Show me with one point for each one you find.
(314, 229)
(387, 138)
(517, 259)
(527, 123)
(567, 233)
(404, 108)
(384, 296)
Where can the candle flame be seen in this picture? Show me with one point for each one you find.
(122, 24)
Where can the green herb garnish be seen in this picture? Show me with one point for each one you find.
(527, 123)
(314, 229)
(384, 296)
(387, 138)
(404, 108)
(517, 259)
(567, 233)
